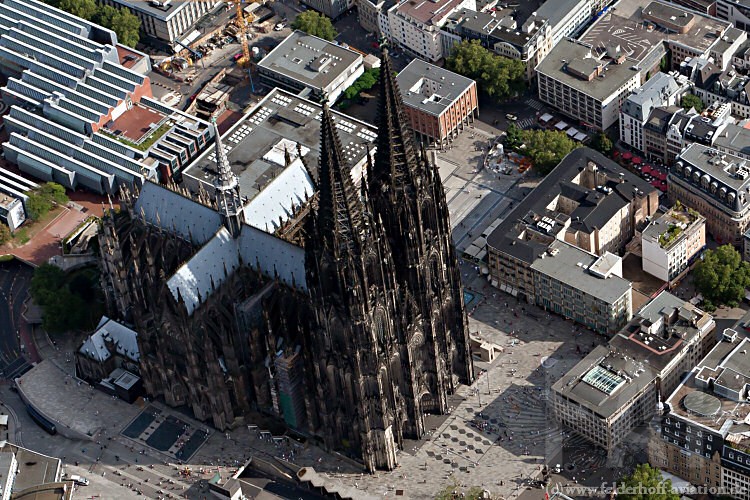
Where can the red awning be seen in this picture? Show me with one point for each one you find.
(636, 160)
(627, 155)
(646, 169)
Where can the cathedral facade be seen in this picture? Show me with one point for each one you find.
(351, 336)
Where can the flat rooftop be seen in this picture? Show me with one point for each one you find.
(624, 25)
(281, 119)
(308, 59)
(604, 381)
(657, 332)
(570, 265)
(135, 123)
(33, 468)
(430, 88)
(567, 52)
(163, 12)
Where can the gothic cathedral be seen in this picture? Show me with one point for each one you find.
(354, 347)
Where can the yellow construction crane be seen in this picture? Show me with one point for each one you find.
(242, 35)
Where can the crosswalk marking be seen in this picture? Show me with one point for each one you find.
(533, 103)
(525, 123)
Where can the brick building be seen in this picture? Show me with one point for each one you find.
(439, 103)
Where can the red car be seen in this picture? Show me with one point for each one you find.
(237, 56)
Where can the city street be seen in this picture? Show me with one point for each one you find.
(15, 278)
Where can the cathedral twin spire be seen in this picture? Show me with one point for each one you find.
(339, 206)
(227, 187)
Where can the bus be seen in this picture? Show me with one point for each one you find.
(43, 422)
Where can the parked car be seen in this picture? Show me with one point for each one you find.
(237, 56)
(279, 27)
(511, 117)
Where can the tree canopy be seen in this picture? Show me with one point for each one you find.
(545, 148)
(315, 24)
(121, 21)
(69, 301)
(365, 82)
(645, 483)
(499, 77)
(42, 199)
(602, 143)
(722, 277)
(456, 492)
(692, 101)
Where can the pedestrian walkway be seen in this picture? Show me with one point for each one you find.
(526, 123)
(533, 103)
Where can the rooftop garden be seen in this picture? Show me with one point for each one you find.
(670, 235)
(147, 142)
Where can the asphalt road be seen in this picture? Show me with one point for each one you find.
(15, 278)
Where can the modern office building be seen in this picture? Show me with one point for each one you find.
(661, 28)
(661, 90)
(311, 67)
(583, 287)
(79, 116)
(671, 243)
(716, 185)
(735, 11)
(586, 85)
(615, 388)
(439, 104)
(587, 201)
(168, 20)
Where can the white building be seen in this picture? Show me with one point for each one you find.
(415, 26)
(11, 211)
(584, 85)
(307, 64)
(671, 242)
(567, 17)
(735, 11)
(8, 471)
(661, 90)
(168, 20)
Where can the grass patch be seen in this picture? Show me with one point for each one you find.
(145, 143)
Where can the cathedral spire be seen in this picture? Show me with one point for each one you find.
(227, 188)
(395, 155)
(339, 212)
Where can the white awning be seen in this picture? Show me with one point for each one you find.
(572, 131)
(193, 36)
(561, 126)
(545, 117)
(580, 137)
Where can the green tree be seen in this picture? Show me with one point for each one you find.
(546, 148)
(127, 26)
(105, 15)
(84, 9)
(5, 234)
(42, 199)
(499, 77)
(602, 143)
(722, 277)
(37, 205)
(646, 483)
(69, 302)
(513, 136)
(365, 82)
(315, 24)
(692, 101)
